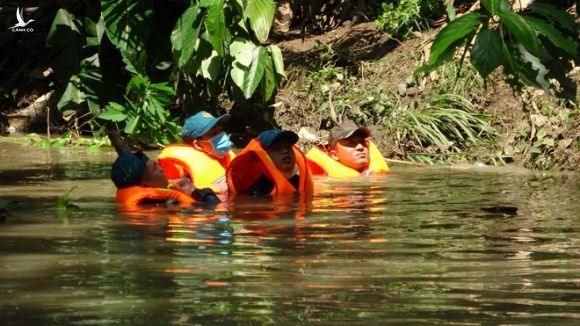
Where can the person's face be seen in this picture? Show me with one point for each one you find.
(352, 152)
(153, 176)
(282, 155)
(204, 142)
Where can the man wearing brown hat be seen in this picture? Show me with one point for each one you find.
(349, 153)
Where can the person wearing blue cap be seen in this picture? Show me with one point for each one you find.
(140, 180)
(270, 164)
(205, 154)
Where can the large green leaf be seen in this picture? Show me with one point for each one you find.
(493, 6)
(453, 35)
(211, 67)
(248, 78)
(65, 43)
(185, 35)
(92, 79)
(217, 32)
(101, 29)
(92, 33)
(242, 50)
(554, 14)
(114, 112)
(72, 96)
(208, 3)
(128, 25)
(520, 28)
(132, 124)
(443, 57)
(203, 52)
(62, 18)
(261, 16)
(541, 71)
(486, 54)
(566, 44)
(269, 82)
(510, 57)
(277, 59)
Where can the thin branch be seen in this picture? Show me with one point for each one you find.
(117, 141)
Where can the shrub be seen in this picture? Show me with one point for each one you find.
(403, 17)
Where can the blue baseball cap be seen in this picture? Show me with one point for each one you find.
(266, 138)
(128, 169)
(200, 123)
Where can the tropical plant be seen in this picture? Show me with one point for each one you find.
(210, 48)
(444, 122)
(143, 115)
(223, 43)
(536, 47)
(402, 17)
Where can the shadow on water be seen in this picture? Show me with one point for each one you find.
(420, 246)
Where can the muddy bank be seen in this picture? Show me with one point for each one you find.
(358, 62)
(531, 129)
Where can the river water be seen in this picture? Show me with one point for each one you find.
(426, 245)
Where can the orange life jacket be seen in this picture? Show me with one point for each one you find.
(137, 195)
(319, 158)
(180, 160)
(253, 161)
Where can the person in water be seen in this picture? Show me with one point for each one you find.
(270, 164)
(205, 154)
(140, 180)
(349, 152)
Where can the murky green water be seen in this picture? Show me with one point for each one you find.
(421, 246)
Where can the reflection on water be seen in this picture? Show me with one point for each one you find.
(420, 246)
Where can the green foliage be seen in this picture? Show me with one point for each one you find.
(63, 202)
(127, 24)
(453, 78)
(94, 55)
(260, 14)
(447, 122)
(535, 47)
(68, 138)
(450, 37)
(400, 18)
(203, 44)
(143, 115)
(443, 123)
(71, 41)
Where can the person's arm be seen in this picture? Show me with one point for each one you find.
(204, 195)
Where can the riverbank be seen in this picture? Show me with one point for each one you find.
(361, 73)
(357, 72)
